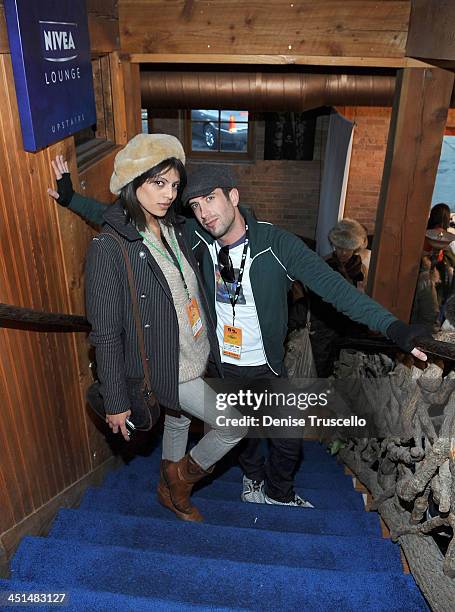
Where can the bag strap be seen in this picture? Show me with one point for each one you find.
(137, 318)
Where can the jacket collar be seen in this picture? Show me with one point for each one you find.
(115, 217)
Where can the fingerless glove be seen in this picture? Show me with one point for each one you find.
(403, 335)
(65, 189)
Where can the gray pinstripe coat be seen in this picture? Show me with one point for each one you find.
(108, 304)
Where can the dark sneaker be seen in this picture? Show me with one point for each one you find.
(297, 501)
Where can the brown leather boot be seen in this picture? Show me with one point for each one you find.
(164, 497)
(180, 477)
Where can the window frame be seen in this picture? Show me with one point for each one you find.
(103, 142)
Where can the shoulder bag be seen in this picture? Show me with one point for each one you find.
(145, 409)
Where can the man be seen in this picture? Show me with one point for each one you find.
(248, 266)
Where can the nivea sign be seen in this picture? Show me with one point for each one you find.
(50, 53)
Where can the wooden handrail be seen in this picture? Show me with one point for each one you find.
(28, 318)
(36, 320)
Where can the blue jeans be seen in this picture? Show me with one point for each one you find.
(278, 469)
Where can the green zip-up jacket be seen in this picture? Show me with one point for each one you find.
(277, 258)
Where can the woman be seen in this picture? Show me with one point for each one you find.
(149, 177)
(425, 307)
(348, 239)
(440, 251)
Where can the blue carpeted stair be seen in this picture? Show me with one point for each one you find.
(120, 550)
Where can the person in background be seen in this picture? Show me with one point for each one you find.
(365, 256)
(298, 302)
(348, 239)
(449, 322)
(439, 219)
(441, 251)
(425, 307)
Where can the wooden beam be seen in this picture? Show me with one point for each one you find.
(104, 34)
(417, 126)
(351, 28)
(431, 30)
(126, 98)
(286, 60)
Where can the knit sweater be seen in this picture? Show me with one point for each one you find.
(194, 351)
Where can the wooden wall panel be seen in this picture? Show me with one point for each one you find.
(47, 442)
(366, 28)
(44, 445)
(49, 447)
(75, 235)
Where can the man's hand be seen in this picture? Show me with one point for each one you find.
(419, 354)
(117, 421)
(403, 336)
(65, 189)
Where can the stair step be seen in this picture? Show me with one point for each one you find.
(323, 464)
(238, 514)
(247, 545)
(322, 499)
(78, 600)
(311, 480)
(68, 563)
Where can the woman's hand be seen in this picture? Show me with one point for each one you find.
(117, 421)
(64, 185)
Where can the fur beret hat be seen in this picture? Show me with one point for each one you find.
(142, 153)
(348, 234)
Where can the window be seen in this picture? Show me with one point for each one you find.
(445, 176)
(290, 135)
(214, 134)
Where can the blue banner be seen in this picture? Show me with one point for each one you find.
(50, 52)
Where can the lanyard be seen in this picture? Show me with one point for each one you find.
(172, 256)
(234, 299)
